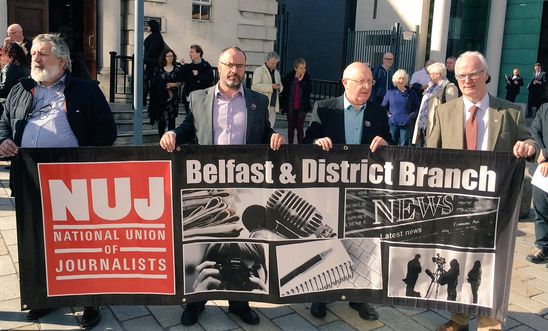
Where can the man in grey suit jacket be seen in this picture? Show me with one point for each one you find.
(500, 127)
(225, 114)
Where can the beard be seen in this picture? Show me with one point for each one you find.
(235, 83)
(45, 74)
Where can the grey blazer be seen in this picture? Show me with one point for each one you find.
(506, 126)
(197, 127)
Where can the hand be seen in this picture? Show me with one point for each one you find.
(276, 140)
(325, 143)
(276, 86)
(195, 72)
(208, 277)
(524, 149)
(376, 142)
(168, 140)
(543, 168)
(258, 284)
(8, 148)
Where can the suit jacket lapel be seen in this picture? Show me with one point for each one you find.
(457, 130)
(494, 123)
(341, 131)
(251, 107)
(206, 126)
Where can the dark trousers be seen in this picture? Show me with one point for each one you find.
(540, 204)
(295, 121)
(535, 95)
(162, 125)
(200, 304)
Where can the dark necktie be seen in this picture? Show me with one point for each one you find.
(472, 130)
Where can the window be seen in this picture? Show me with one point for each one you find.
(201, 10)
(146, 19)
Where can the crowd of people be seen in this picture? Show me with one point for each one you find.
(379, 107)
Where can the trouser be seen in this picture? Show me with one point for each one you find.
(162, 125)
(540, 204)
(401, 134)
(485, 323)
(295, 121)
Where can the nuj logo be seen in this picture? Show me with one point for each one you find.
(74, 199)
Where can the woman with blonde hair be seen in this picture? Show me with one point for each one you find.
(402, 104)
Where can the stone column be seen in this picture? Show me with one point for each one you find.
(440, 30)
(109, 29)
(495, 36)
(109, 32)
(3, 18)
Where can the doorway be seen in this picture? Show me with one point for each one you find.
(74, 19)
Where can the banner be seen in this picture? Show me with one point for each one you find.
(426, 228)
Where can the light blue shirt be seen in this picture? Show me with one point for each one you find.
(229, 118)
(48, 124)
(353, 122)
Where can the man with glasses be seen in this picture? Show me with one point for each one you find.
(350, 119)
(479, 121)
(225, 114)
(15, 35)
(382, 75)
(54, 109)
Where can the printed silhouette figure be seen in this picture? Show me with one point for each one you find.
(413, 271)
(474, 278)
(451, 279)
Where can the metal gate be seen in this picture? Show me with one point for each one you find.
(369, 46)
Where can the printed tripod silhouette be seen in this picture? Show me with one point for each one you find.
(435, 276)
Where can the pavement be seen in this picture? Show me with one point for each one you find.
(528, 304)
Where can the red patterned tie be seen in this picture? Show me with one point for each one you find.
(472, 130)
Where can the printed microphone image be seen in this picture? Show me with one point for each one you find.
(288, 215)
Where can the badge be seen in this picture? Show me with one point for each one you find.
(367, 123)
(253, 106)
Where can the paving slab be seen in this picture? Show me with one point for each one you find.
(144, 323)
(9, 288)
(303, 309)
(60, 319)
(11, 316)
(293, 322)
(123, 313)
(337, 325)
(6, 265)
(214, 318)
(398, 321)
(167, 315)
(525, 317)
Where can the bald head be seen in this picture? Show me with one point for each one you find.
(15, 32)
(355, 69)
(358, 82)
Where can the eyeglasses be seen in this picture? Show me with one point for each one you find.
(473, 76)
(362, 83)
(39, 112)
(233, 65)
(389, 58)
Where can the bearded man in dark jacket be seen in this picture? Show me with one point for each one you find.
(54, 109)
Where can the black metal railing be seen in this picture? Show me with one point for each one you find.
(121, 77)
(121, 81)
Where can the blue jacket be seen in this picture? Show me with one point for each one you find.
(403, 107)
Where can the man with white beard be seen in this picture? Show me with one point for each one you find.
(54, 109)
